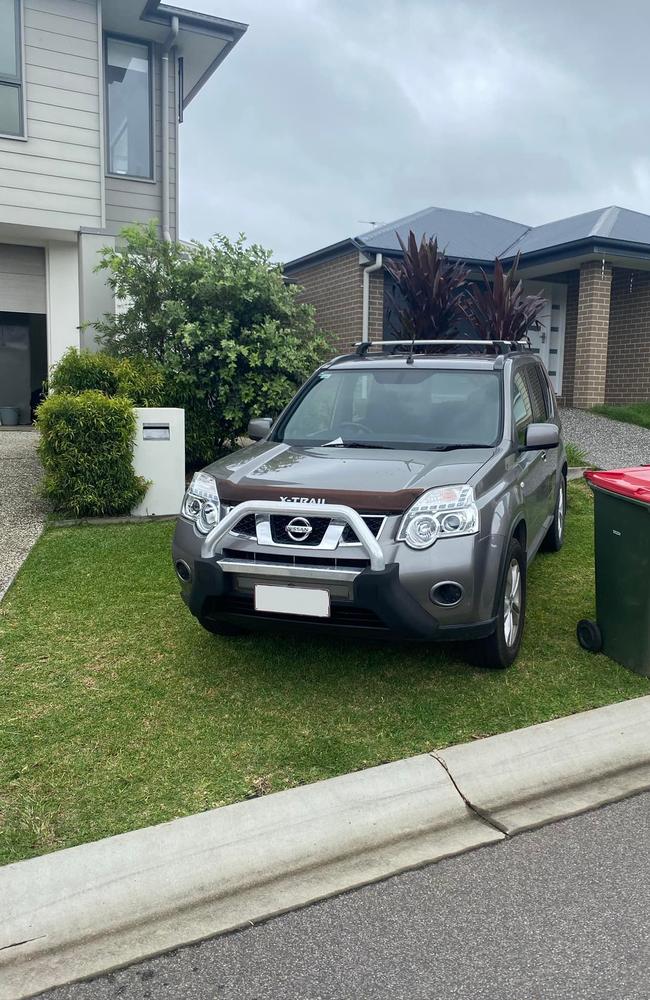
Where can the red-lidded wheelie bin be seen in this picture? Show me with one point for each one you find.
(622, 551)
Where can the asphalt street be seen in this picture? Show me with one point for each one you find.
(560, 912)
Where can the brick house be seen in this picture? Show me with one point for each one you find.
(594, 271)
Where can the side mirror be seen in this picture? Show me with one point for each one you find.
(541, 436)
(259, 428)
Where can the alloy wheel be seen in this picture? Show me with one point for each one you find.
(512, 604)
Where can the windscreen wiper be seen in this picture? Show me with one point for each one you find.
(355, 444)
(455, 447)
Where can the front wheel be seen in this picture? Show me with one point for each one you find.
(500, 649)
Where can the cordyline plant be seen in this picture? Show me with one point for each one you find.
(498, 309)
(431, 287)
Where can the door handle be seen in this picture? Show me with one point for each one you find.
(544, 456)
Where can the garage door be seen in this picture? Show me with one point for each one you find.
(22, 279)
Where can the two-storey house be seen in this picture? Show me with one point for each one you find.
(92, 93)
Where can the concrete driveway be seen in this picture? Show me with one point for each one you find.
(22, 512)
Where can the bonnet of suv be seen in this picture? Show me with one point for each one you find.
(374, 437)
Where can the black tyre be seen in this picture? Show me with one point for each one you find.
(220, 628)
(589, 635)
(554, 539)
(500, 649)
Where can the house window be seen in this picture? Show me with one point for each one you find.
(11, 81)
(128, 107)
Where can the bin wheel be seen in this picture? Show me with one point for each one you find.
(589, 636)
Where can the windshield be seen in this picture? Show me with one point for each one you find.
(396, 408)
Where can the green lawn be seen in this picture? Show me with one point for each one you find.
(635, 413)
(118, 711)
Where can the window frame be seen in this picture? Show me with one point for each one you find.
(17, 81)
(151, 179)
(520, 432)
(537, 393)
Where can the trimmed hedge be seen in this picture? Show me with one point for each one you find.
(139, 380)
(86, 448)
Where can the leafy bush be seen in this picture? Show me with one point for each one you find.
(431, 287)
(497, 308)
(229, 332)
(139, 380)
(86, 448)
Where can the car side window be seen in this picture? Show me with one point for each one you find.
(522, 407)
(538, 394)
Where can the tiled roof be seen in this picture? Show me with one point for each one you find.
(480, 237)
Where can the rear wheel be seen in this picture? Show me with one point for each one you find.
(500, 649)
(554, 539)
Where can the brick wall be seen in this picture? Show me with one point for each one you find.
(335, 287)
(593, 332)
(628, 354)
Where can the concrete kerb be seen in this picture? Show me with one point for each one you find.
(88, 909)
(533, 776)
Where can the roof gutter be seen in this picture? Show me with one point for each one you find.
(164, 87)
(378, 264)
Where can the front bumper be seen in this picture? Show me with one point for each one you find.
(379, 605)
(374, 587)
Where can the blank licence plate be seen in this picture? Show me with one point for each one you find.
(293, 601)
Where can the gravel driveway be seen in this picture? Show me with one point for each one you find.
(608, 444)
(22, 512)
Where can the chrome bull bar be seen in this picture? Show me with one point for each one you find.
(334, 511)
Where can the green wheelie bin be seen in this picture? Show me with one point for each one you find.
(622, 536)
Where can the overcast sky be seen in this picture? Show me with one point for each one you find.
(331, 112)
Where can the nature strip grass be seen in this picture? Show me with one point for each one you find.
(634, 413)
(118, 711)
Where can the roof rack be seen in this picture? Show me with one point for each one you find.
(500, 346)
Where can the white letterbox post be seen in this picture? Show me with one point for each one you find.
(159, 456)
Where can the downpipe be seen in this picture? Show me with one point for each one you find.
(164, 102)
(366, 294)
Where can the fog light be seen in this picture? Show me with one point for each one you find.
(183, 571)
(447, 594)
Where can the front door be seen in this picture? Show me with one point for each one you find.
(548, 340)
(14, 371)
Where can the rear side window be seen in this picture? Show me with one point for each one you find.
(538, 393)
(522, 406)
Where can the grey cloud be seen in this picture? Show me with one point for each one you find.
(329, 112)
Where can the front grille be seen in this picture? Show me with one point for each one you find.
(374, 523)
(318, 562)
(341, 614)
(319, 526)
(246, 526)
(280, 536)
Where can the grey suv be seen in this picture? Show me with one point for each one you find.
(402, 493)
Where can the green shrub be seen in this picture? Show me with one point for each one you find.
(139, 380)
(86, 448)
(78, 371)
(232, 336)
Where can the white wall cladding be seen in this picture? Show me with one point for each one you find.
(54, 179)
(129, 201)
(22, 279)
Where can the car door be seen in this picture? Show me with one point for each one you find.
(536, 381)
(533, 466)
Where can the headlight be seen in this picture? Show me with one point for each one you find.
(441, 513)
(201, 502)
